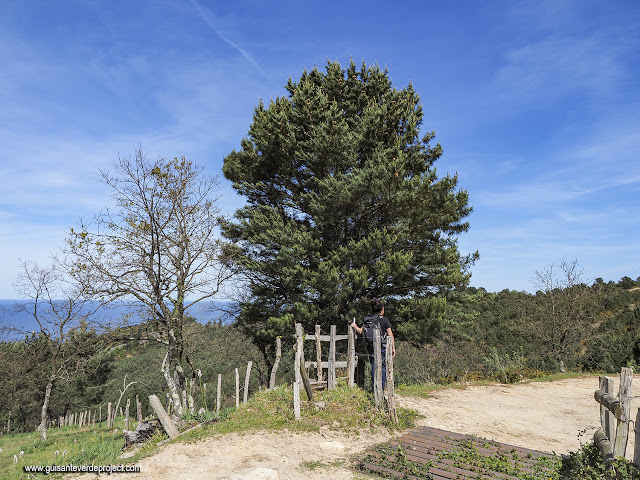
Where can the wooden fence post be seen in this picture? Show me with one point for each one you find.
(109, 420)
(246, 381)
(126, 414)
(607, 418)
(272, 381)
(390, 387)
(636, 448)
(318, 354)
(331, 373)
(377, 374)
(351, 356)
(299, 363)
(622, 432)
(219, 393)
(139, 410)
(237, 389)
(164, 418)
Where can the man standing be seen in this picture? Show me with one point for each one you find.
(376, 321)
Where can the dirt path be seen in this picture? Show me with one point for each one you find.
(545, 416)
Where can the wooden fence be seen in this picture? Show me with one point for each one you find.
(90, 417)
(331, 364)
(615, 418)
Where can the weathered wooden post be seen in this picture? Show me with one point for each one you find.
(272, 381)
(299, 363)
(109, 420)
(377, 374)
(636, 448)
(219, 393)
(163, 416)
(100, 414)
(607, 419)
(390, 388)
(318, 354)
(622, 431)
(331, 373)
(351, 356)
(139, 410)
(126, 414)
(237, 388)
(246, 381)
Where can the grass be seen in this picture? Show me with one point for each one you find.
(468, 456)
(345, 409)
(64, 446)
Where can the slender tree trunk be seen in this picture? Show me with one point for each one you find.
(44, 415)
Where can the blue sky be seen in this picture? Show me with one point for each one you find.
(536, 105)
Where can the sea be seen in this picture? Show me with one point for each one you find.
(15, 318)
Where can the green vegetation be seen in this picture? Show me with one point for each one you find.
(585, 464)
(344, 204)
(467, 455)
(64, 446)
(344, 409)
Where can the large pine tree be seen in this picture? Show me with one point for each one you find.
(343, 204)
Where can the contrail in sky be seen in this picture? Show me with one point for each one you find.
(208, 17)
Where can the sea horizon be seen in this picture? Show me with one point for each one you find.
(13, 317)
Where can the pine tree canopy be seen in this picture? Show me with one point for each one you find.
(343, 203)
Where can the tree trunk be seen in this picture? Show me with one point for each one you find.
(44, 415)
(173, 389)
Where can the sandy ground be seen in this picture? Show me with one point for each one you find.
(547, 416)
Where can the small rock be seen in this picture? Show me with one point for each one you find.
(334, 446)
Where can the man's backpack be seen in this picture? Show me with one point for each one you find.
(371, 324)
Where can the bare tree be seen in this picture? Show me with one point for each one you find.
(567, 313)
(63, 316)
(157, 249)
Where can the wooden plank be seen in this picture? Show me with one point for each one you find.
(306, 383)
(351, 357)
(622, 432)
(604, 445)
(219, 393)
(299, 358)
(377, 374)
(331, 372)
(325, 338)
(610, 402)
(313, 364)
(272, 380)
(607, 420)
(636, 449)
(164, 418)
(390, 390)
(319, 354)
(237, 388)
(246, 381)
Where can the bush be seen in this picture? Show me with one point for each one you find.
(587, 464)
